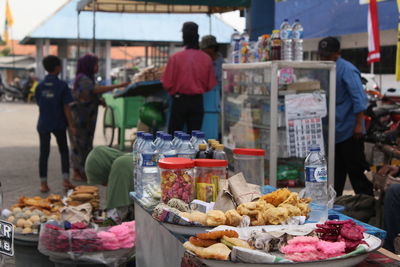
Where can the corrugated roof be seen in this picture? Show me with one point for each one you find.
(140, 28)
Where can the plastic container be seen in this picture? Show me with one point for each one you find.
(251, 163)
(177, 179)
(208, 172)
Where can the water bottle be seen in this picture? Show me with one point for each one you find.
(194, 136)
(148, 167)
(285, 34)
(177, 138)
(135, 154)
(317, 184)
(185, 149)
(219, 152)
(235, 44)
(166, 149)
(201, 153)
(199, 140)
(158, 139)
(297, 39)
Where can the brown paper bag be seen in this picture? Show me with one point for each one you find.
(224, 200)
(241, 191)
(73, 214)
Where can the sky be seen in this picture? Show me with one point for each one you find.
(28, 14)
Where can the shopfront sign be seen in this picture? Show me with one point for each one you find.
(6, 238)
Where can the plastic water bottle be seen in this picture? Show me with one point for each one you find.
(166, 149)
(185, 149)
(317, 184)
(177, 137)
(235, 44)
(158, 139)
(194, 136)
(219, 152)
(285, 34)
(148, 167)
(297, 39)
(135, 154)
(199, 140)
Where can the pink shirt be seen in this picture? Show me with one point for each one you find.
(189, 72)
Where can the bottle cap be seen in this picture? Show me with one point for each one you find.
(314, 148)
(202, 147)
(211, 140)
(214, 144)
(220, 147)
(185, 136)
(167, 137)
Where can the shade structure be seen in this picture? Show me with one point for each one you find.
(163, 6)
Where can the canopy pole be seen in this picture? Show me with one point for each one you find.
(372, 68)
(94, 28)
(78, 37)
(210, 23)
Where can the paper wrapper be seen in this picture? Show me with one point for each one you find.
(225, 199)
(243, 192)
(73, 214)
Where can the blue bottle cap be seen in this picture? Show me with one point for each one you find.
(314, 148)
(185, 136)
(167, 137)
(201, 135)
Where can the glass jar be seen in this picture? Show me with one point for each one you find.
(251, 163)
(177, 179)
(208, 172)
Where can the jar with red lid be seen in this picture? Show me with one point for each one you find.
(250, 162)
(177, 179)
(208, 173)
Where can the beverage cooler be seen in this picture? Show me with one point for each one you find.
(282, 107)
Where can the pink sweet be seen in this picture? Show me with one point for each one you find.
(299, 248)
(303, 240)
(331, 247)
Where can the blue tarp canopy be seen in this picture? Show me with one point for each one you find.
(164, 6)
(321, 18)
(138, 29)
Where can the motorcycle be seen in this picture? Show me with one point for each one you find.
(10, 93)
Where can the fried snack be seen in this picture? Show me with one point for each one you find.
(253, 208)
(276, 215)
(215, 218)
(195, 216)
(305, 209)
(257, 220)
(202, 242)
(233, 218)
(234, 242)
(86, 188)
(54, 198)
(217, 251)
(305, 200)
(36, 202)
(81, 196)
(218, 234)
(292, 210)
(293, 199)
(277, 197)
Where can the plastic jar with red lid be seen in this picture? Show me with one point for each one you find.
(208, 173)
(177, 179)
(250, 162)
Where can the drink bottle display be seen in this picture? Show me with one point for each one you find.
(184, 148)
(285, 35)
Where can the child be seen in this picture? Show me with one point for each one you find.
(53, 97)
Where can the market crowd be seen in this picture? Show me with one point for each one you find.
(189, 75)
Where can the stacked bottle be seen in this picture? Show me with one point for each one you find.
(285, 35)
(297, 39)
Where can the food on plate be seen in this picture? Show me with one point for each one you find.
(306, 248)
(215, 218)
(27, 230)
(277, 197)
(234, 242)
(276, 215)
(178, 204)
(11, 219)
(265, 241)
(195, 216)
(292, 210)
(20, 223)
(217, 251)
(84, 194)
(218, 234)
(293, 199)
(202, 242)
(86, 189)
(304, 208)
(233, 218)
(342, 231)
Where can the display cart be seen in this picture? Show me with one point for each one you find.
(254, 114)
(122, 109)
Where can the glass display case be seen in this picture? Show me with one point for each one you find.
(282, 107)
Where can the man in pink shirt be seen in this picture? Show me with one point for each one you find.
(188, 75)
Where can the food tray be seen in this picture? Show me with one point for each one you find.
(185, 229)
(373, 242)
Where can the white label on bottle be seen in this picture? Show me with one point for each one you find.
(315, 175)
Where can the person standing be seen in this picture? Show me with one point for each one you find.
(188, 75)
(53, 97)
(351, 102)
(84, 111)
(212, 99)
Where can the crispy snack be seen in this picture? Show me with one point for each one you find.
(86, 188)
(53, 198)
(233, 218)
(195, 216)
(215, 218)
(293, 199)
(259, 219)
(218, 234)
(202, 242)
(36, 202)
(81, 196)
(276, 215)
(292, 210)
(305, 209)
(306, 200)
(277, 197)
(232, 241)
(217, 251)
(253, 208)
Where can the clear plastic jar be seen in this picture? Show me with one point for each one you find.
(177, 179)
(251, 163)
(208, 172)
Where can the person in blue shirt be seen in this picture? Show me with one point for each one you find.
(53, 97)
(351, 102)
